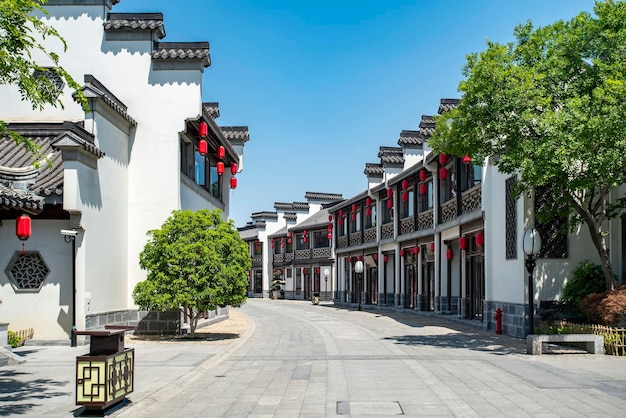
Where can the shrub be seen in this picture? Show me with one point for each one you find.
(587, 278)
(607, 308)
(14, 339)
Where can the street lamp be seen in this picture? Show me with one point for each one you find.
(326, 273)
(358, 269)
(531, 244)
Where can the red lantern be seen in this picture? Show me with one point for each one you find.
(390, 203)
(443, 158)
(221, 152)
(389, 192)
(318, 270)
(340, 221)
(354, 216)
(304, 239)
(220, 168)
(22, 228)
(330, 218)
(443, 173)
(330, 236)
(368, 211)
(375, 256)
(233, 183)
(432, 247)
(423, 175)
(305, 233)
(354, 207)
(351, 260)
(449, 253)
(463, 243)
(330, 227)
(203, 129)
(405, 197)
(304, 271)
(405, 184)
(423, 188)
(340, 213)
(467, 159)
(368, 201)
(385, 259)
(402, 252)
(272, 242)
(203, 147)
(416, 250)
(360, 258)
(290, 234)
(233, 168)
(480, 239)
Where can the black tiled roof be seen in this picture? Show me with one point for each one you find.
(236, 133)
(283, 206)
(427, 126)
(301, 205)
(410, 137)
(291, 216)
(391, 155)
(212, 109)
(328, 197)
(447, 104)
(374, 169)
(264, 215)
(97, 88)
(183, 51)
(136, 22)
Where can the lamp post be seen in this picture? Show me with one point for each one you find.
(326, 273)
(358, 269)
(531, 244)
(70, 236)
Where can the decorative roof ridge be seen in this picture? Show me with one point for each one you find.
(236, 133)
(183, 51)
(447, 104)
(264, 214)
(136, 22)
(212, 109)
(323, 196)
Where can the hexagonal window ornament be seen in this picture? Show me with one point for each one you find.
(27, 271)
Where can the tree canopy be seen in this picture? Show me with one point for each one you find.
(196, 262)
(549, 107)
(22, 35)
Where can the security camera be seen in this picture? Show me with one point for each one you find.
(69, 232)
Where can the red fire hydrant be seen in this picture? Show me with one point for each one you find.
(498, 318)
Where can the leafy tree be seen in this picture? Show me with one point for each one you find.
(21, 35)
(587, 278)
(195, 262)
(550, 107)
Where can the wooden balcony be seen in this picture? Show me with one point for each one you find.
(471, 199)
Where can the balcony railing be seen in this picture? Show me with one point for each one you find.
(369, 235)
(342, 242)
(279, 258)
(471, 199)
(407, 225)
(386, 231)
(355, 238)
(303, 254)
(448, 211)
(425, 220)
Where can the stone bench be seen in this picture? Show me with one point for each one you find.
(594, 344)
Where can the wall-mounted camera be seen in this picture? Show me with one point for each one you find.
(69, 232)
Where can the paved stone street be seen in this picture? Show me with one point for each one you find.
(297, 359)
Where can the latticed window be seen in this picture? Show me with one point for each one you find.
(49, 82)
(27, 271)
(553, 231)
(510, 219)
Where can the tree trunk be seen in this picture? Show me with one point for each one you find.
(193, 321)
(599, 241)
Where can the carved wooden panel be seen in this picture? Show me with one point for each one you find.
(386, 231)
(425, 220)
(448, 211)
(369, 235)
(471, 199)
(407, 225)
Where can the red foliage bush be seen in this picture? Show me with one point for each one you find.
(606, 308)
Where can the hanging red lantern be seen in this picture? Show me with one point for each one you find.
(423, 188)
(405, 197)
(305, 233)
(360, 258)
(219, 168)
(389, 192)
(375, 256)
(203, 129)
(330, 218)
(402, 252)
(443, 158)
(23, 229)
(405, 184)
(330, 236)
(385, 259)
(463, 243)
(340, 213)
(340, 221)
(354, 207)
(443, 173)
(304, 270)
(354, 217)
(290, 234)
(233, 168)
(467, 159)
(330, 227)
(203, 147)
(272, 242)
(423, 175)
(221, 152)
(432, 247)
(390, 204)
(368, 211)
(449, 253)
(233, 182)
(351, 260)
(480, 239)
(416, 250)
(304, 239)
(368, 201)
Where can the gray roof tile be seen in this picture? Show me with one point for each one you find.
(447, 104)
(391, 155)
(410, 138)
(212, 109)
(327, 197)
(183, 51)
(136, 22)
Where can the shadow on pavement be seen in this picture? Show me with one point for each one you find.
(17, 396)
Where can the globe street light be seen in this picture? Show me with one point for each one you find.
(358, 269)
(531, 244)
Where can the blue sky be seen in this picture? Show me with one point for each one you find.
(323, 84)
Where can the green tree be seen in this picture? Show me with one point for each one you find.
(21, 36)
(195, 262)
(549, 107)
